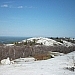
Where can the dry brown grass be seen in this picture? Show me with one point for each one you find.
(42, 56)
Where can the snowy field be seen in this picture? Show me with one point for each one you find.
(54, 66)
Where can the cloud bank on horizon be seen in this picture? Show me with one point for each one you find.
(37, 18)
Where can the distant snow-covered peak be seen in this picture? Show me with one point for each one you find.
(48, 42)
(44, 41)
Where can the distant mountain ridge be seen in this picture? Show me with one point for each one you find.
(48, 41)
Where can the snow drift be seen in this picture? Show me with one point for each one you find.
(5, 61)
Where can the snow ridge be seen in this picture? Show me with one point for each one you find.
(48, 42)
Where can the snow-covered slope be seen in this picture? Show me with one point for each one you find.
(54, 66)
(66, 43)
(44, 41)
(48, 42)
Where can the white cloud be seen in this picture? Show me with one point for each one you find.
(20, 6)
(5, 5)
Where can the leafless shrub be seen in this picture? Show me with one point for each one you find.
(14, 52)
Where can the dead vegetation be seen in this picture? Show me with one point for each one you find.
(39, 52)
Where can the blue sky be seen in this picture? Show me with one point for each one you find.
(48, 18)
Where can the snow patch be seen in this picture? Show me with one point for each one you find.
(9, 44)
(20, 60)
(5, 61)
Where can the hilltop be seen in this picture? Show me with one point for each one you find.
(48, 41)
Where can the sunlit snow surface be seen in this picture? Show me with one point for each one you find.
(45, 41)
(54, 66)
(49, 42)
